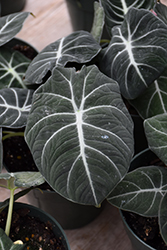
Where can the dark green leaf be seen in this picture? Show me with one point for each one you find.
(156, 133)
(115, 10)
(154, 99)
(15, 105)
(10, 25)
(13, 66)
(137, 54)
(80, 134)
(79, 47)
(141, 190)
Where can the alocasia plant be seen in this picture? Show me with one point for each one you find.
(79, 131)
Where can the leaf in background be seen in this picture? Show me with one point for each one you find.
(24, 179)
(10, 25)
(154, 99)
(98, 22)
(13, 66)
(15, 106)
(156, 133)
(161, 11)
(80, 134)
(163, 218)
(7, 244)
(141, 190)
(115, 10)
(78, 47)
(137, 54)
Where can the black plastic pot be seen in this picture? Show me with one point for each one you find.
(44, 217)
(81, 14)
(141, 159)
(136, 242)
(11, 6)
(70, 215)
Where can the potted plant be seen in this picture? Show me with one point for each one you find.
(143, 190)
(65, 109)
(27, 226)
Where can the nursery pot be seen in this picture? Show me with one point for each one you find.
(43, 217)
(81, 13)
(11, 6)
(136, 242)
(70, 215)
(141, 159)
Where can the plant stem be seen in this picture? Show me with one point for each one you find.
(10, 134)
(12, 188)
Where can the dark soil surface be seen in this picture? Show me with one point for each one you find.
(17, 156)
(146, 228)
(34, 233)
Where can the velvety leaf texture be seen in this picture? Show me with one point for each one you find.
(141, 191)
(13, 66)
(80, 134)
(115, 10)
(154, 99)
(79, 47)
(15, 104)
(137, 54)
(156, 133)
(10, 25)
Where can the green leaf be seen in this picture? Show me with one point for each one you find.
(141, 190)
(156, 133)
(24, 179)
(15, 105)
(154, 99)
(137, 54)
(163, 218)
(98, 22)
(79, 47)
(7, 244)
(161, 11)
(80, 134)
(10, 25)
(115, 10)
(13, 66)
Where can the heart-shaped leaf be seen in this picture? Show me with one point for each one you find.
(80, 134)
(137, 54)
(15, 105)
(115, 10)
(13, 66)
(156, 133)
(78, 47)
(163, 218)
(10, 25)
(7, 244)
(154, 99)
(141, 190)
